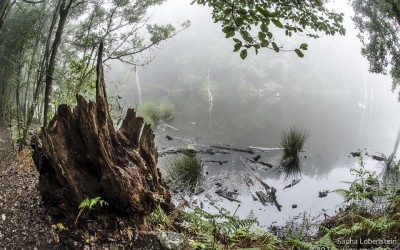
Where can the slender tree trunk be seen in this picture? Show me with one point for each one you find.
(4, 7)
(64, 10)
(38, 86)
(396, 145)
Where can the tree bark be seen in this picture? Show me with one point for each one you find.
(64, 10)
(4, 4)
(80, 155)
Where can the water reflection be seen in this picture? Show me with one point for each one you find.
(291, 167)
(292, 142)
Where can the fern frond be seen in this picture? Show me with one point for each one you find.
(301, 244)
(342, 192)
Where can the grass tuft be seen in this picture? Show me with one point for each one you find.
(183, 172)
(153, 112)
(293, 141)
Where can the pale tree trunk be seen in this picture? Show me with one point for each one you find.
(396, 145)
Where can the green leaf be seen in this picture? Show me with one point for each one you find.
(277, 23)
(263, 12)
(237, 47)
(304, 46)
(265, 43)
(242, 12)
(243, 54)
(246, 36)
(237, 40)
(228, 29)
(239, 21)
(262, 36)
(264, 26)
(275, 47)
(299, 53)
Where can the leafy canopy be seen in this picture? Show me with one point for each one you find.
(378, 24)
(254, 23)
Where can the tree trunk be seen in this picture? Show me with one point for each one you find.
(80, 155)
(64, 10)
(4, 7)
(38, 85)
(396, 145)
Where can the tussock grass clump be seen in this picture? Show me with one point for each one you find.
(166, 110)
(153, 112)
(292, 141)
(183, 172)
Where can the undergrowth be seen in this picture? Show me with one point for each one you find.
(153, 112)
(225, 231)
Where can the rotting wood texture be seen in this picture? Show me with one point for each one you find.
(80, 155)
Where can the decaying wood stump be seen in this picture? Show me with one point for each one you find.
(80, 155)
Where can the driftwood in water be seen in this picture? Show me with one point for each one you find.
(214, 161)
(80, 155)
(294, 182)
(172, 151)
(228, 147)
(269, 197)
(231, 196)
(264, 199)
(257, 161)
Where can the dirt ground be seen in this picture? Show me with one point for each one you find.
(24, 223)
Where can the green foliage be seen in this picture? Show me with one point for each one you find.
(90, 203)
(293, 141)
(296, 231)
(210, 231)
(158, 217)
(377, 22)
(153, 112)
(366, 185)
(14, 132)
(367, 227)
(239, 20)
(160, 32)
(183, 172)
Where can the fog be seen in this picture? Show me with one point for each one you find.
(329, 92)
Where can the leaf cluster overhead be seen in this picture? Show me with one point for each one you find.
(378, 23)
(254, 23)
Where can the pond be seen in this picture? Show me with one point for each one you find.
(221, 100)
(336, 128)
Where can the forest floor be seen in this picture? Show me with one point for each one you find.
(24, 223)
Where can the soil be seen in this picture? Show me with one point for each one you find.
(24, 223)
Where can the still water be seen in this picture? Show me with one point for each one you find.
(336, 128)
(221, 99)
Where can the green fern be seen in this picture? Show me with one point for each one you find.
(89, 204)
(325, 242)
(223, 228)
(301, 244)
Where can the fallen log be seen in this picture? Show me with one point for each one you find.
(228, 147)
(231, 196)
(173, 150)
(268, 198)
(80, 155)
(264, 163)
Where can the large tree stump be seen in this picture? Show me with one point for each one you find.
(80, 155)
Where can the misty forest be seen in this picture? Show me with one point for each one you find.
(199, 124)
